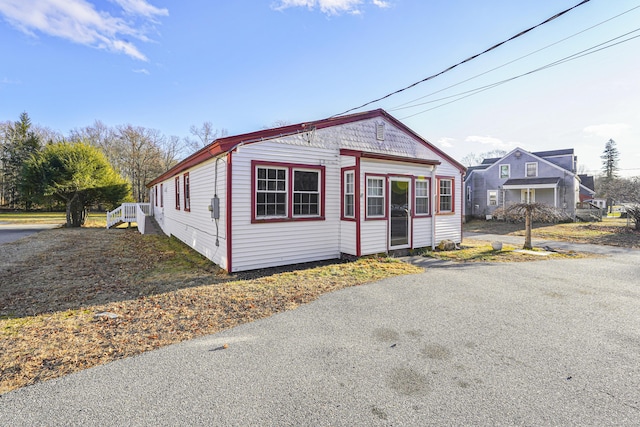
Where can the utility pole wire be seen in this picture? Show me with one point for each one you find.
(521, 33)
(471, 92)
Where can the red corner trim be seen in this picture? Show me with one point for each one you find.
(229, 215)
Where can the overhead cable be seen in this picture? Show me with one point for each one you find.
(512, 61)
(520, 34)
(589, 51)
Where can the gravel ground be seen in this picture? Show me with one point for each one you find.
(545, 343)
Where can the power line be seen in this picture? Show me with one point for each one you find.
(515, 60)
(521, 33)
(589, 51)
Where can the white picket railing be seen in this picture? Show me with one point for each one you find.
(129, 212)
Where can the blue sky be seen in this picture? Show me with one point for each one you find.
(246, 64)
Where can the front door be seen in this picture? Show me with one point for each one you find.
(528, 195)
(400, 207)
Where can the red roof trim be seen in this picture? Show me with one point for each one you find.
(226, 144)
(389, 157)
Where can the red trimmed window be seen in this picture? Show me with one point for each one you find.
(177, 187)
(187, 192)
(155, 199)
(445, 195)
(375, 197)
(287, 192)
(161, 195)
(348, 188)
(421, 203)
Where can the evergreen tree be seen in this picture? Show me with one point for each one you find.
(78, 175)
(610, 158)
(19, 145)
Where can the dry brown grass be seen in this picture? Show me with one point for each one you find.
(611, 231)
(55, 282)
(474, 250)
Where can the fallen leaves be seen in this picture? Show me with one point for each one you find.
(131, 293)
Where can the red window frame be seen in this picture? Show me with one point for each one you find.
(439, 179)
(177, 190)
(155, 198)
(290, 169)
(186, 182)
(343, 194)
(415, 196)
(384, 215)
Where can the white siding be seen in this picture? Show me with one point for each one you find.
(375, 232)
(259, 245)
(196, 228)
(269, 244)
(449, 226)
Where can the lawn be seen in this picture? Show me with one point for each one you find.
(474, 250)
(95, 219)
(611, 231)
(71, 299)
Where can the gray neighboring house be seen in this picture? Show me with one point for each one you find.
(548, 177)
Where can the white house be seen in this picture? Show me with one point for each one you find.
(358, 184)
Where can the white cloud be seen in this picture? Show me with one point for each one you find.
(381, 4)
(330, 7)
(495, 143)
(608, 130)
(6, 81)
(79, 22)
(142, 71)
(141, 7)
(446, 142)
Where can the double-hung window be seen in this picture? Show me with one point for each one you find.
(287, 192)
(271, 192)
(177, 189)
(422, 197)
(187, 192)
(445, 195)
(375, 197)
(492, 197)
(531, 169)
(505, 171)
(349, 195)
(306, 193)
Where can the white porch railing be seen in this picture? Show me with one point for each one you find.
(129, 212)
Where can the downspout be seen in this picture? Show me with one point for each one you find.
(433, 207)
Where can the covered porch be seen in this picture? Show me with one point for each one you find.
(531, 190)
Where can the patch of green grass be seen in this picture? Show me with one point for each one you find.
(95, 219)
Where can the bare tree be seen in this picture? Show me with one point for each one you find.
(530, 212)
(473, 159)
(141, 156)
(628, 191)
(203, 136)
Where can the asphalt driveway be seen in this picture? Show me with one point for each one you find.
(553, 342)
(12, 232)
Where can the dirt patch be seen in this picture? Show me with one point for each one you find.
(75, 298)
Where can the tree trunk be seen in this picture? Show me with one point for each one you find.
(527, 229)
(75, 212)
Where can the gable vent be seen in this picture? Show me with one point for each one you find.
(380, 131)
